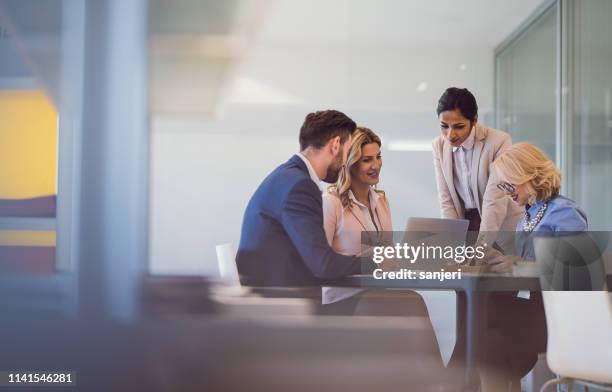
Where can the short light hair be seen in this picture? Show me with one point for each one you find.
(524, 163)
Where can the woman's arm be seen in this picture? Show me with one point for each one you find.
(447, 207)
(330, 215)
(302, 219)
(387, 212)
(386, 221)
(494, 202)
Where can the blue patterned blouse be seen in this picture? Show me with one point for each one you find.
(562, 215)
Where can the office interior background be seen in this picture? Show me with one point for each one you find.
(133, 133)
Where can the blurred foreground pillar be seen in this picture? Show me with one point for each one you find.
(113, 205)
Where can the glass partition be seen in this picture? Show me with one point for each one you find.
(590, 166)
(571, 54)
(526, 82)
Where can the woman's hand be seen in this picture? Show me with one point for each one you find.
(389, 265)
(497, 261)
(502, 263)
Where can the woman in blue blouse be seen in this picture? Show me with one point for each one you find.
(517, 324)
(532, 180)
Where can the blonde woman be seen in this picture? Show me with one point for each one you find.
(351, 206)
(517, 325)
(533, 181)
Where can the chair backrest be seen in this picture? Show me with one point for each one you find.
(579, 334)
(569, 262)
(226, 259)
(579, 322)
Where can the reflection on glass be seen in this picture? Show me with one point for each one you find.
(526, 81)
(591, 145)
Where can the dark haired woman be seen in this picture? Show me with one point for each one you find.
(463, 154)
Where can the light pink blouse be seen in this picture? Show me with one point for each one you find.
(343, 227)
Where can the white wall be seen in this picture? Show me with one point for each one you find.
(200, 185)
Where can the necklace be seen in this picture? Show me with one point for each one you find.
(530, 224)
(375, 238)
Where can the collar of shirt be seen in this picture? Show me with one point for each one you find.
(373, 198)
(311, 171)
(467, 143)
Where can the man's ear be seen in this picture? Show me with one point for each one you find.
(475, 121)
(335, 145)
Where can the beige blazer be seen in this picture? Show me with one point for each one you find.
(343, 227)
(497, 212)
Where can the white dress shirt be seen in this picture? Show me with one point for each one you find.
(462, 171)
(311, 171)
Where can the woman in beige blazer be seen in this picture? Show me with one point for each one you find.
(354, 210)
(351, 207)
(463, 154)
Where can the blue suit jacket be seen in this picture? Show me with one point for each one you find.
(282, 241)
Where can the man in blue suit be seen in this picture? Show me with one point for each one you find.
(282, 241)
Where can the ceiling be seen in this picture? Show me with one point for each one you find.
(206, 54)
(372, 56)
(394, 22)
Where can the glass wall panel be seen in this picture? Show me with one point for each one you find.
(590, 161)
(526, 81)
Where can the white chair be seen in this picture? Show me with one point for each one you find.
(579, 322)
(239, 301)
(228, 271)
(226, 260)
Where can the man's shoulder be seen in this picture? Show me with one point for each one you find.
(287, 178)
(292, 175)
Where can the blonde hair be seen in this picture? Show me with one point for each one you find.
(359, 138)
(524, 163)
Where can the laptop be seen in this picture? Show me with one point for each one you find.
(436, 232)
(439, 225)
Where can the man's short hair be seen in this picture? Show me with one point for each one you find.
(319, 127)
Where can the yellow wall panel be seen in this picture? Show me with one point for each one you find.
(28, 144)
(27, 238)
